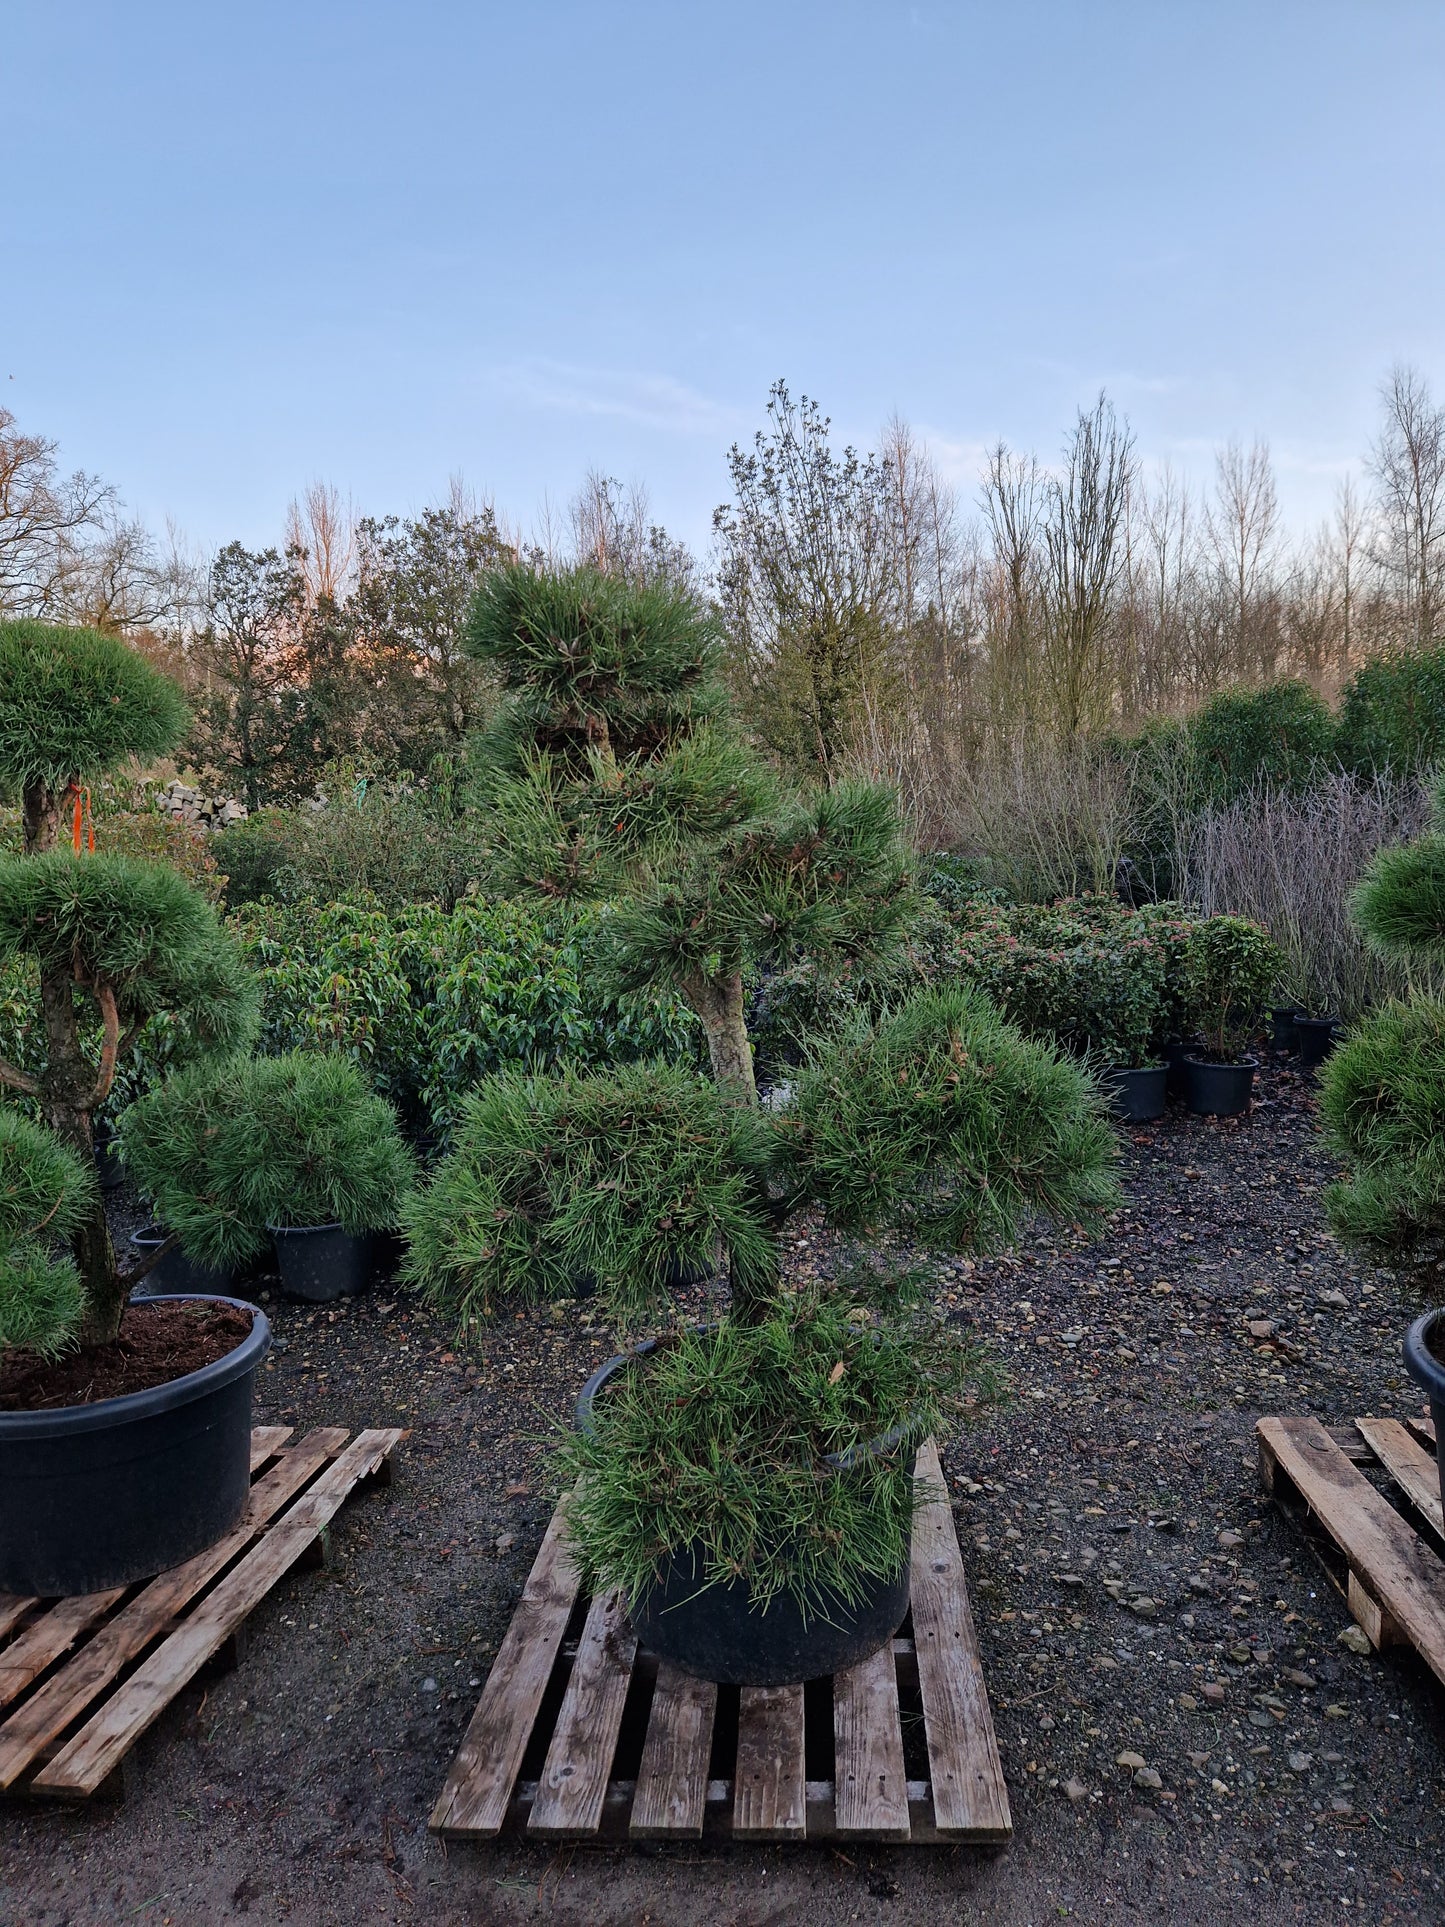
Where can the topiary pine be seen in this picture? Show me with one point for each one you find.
(614, 769)
(73, 706)
(46, 1193)
(109, 937)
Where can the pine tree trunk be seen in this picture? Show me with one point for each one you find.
(69, 1083)
(718, 1001)
(41, 817)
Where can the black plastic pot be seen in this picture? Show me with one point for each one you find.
(717, 1633)
(1282, 1026)
(99, 1495)
(109, 1164)
(1218, 1090)
(1175, 1052)
(1425, 1362)
(176, 1275)
(1317, 1038)
(679, 1275)
(1136, 1095)
(320, 1262)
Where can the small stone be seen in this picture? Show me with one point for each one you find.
(1356, 1640)
(1147, 1780)
(1336, 1712)
(1262, 1328)
(1144, 1606)
(1133, 1761)
(1336, 1299)
(1218, 1786)
(1229, 1541)
(1213, 1692)
(505, 1541)
(1340, 1805)
(1294, 1677)
(1240, 1653)
(1068, 1579)
(1189, 1703)
(1301, 1762)
(428, 1685)
(1075, 1792)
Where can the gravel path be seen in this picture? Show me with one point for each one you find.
(1187, 1735)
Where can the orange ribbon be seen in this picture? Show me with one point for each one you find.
(82, 824)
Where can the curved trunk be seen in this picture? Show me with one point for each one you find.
(40, 810)
(718, 1001)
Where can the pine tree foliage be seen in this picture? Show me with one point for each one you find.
(74, 704)
(45, 1192)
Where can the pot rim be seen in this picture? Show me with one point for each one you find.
(1136, 1070)
(291, 1230)
(836, 1461)
(132, 1406)
(1248, 1062)
(1421, 1362)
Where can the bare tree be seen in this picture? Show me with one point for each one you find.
(612, 528)
(1013, 501)
(1408, 465)
(1242, 523)
(43, 516)
(1084, 544)
(322, 527)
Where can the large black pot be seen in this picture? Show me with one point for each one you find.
(1283, 1019)
(109, 1164)
(716, 1632)
(1136, 1095)
(1425, 1362)
(1218, 1090)
(93, 1496)
(1175, 1051)
(321, 1262)
(175, 1275)
(1317, 1038)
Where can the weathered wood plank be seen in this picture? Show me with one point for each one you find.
(1379, 1628)
(266, 1442)
(672, 1780)
(54, 1633)
(1402, 1575)
(67, 1693)
(579, 1760)
(478, 1788)
(1412, 1468)
(769, 1802)
(969, 1794)
(13, 1608)
(872, 1788)
(82, 1764)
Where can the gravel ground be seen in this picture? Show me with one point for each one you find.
(1188, 1730)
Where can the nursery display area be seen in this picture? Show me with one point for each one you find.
(808, 1155)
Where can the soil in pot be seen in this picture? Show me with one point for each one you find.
(1317, 1038)
(322, 1262)
(158, 1342)
(1136, 1094)
(1218, 1090)
(1425, 1362)
(175, 1272)
(118, 1463)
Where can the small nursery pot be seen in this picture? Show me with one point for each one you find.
(679, 1275)
(1284, 1031)
(109, 1164)
(175, 1275)
(1425, 1362)
(320, 1262)
(99, 1495)
(1317, 1038)
(716, 1633)
(1136, 1096)
(1218, 1090)
(1175, 1052)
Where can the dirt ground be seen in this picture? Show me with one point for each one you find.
(1135, 1595)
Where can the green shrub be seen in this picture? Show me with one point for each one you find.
(427, 1002)
(616, 1179)
(1232, 967)
(225, 1151)
(1392, 714)
(944, 1120)
(1382, 1099)
(720, 1440)
(1399, 903)
(46, 1194)
(1282, 734)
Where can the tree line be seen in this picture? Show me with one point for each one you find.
(874, 615)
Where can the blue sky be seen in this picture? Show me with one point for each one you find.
(247, 247)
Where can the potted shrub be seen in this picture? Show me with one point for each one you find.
(293, 1151)
(124, 1430)
(768, 1541)
(1232, 964)
(1382, 1100)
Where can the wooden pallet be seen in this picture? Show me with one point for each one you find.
(581, 1734)
(69, 1671)
(1396, 1581)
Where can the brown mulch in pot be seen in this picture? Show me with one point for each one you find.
(157, 1343)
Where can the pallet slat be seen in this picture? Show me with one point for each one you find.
(27, 1657)
(478, 1788)
(67, 1693)
(769, 1797)
(872, 1789)
(671, 1797)
(969, 1794)
(1403, 1577)
(574, 1778)
(266, 1442)
(1408, 1464)
(85, 1761)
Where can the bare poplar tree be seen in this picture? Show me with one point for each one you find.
(1085, 560)
(321, 526)
(1408, 464)
(1242, 523)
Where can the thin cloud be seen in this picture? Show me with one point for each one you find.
(656, 401)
